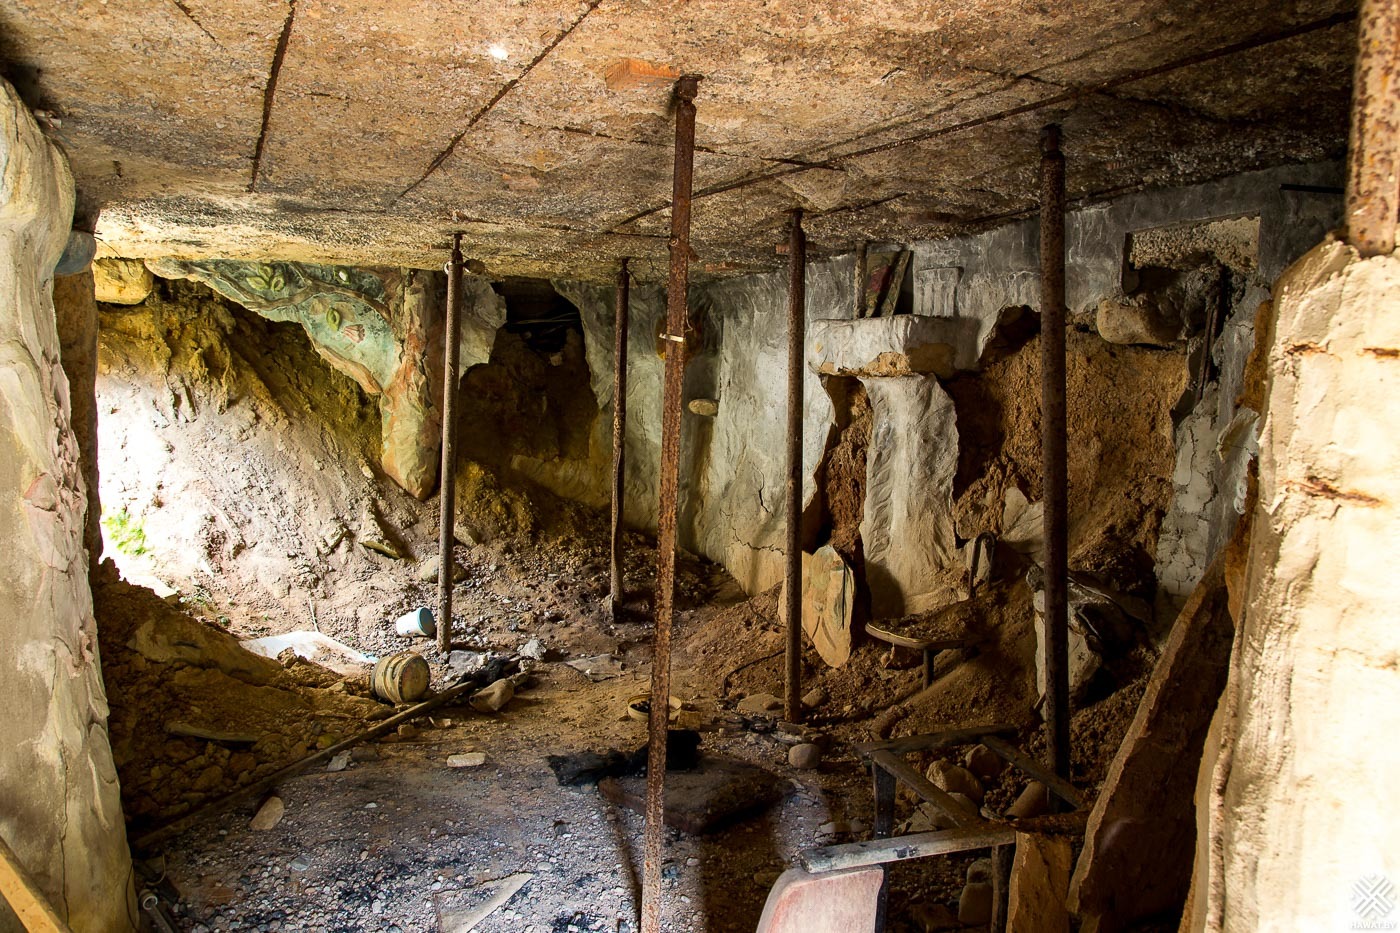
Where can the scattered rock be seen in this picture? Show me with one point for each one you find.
(984, 763)
(268, 815)
(980, 871)
(364, 753)
(493, 699)
(956, 779)
(975, 904)
(532, 650)
(429, 568)
(407, 731)
(467, 760)
(300, 863)
(339, 762)
(806, 756)
(1034, 801)
(758, 703)
(814, 698)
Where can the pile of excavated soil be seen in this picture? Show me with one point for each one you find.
(1121, 450)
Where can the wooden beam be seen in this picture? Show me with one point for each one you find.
(24, 896)
(926, 789)
(903, 848)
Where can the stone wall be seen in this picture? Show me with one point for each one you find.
(1296, 802)
(61, 813)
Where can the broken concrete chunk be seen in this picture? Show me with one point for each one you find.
(759, 703)
(467, 760)
(493, 699)
(268, 815)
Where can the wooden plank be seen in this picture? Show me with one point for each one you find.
(1014, 756)
(24, 896)
(934, 740)
(902, 848)
(918, 644)
(924, 787)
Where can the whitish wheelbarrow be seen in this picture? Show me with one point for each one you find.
(830, 902)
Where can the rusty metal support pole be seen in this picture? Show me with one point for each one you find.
(1053, 446)
(619, 435)
(676, 315)
(862, 275)
(1373, 159)
(797, 335)
(447, 489)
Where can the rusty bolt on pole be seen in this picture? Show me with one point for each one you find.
(1053, 446)
(792, 610)
(676, 314)
(447, 483)
(619, 435)
(1373, 156)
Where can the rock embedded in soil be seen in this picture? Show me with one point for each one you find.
(975, 904)
(814, 698)
(984, 763)
(1033, 801)
(268, 815)
(806, 756)
(493, 699)
(956, 779)
(758, 703)
(429, 569)
(467, 760)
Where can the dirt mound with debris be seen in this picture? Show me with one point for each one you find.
(194, 715)
(1121, 450)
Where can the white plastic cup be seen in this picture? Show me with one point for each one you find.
(419, 622)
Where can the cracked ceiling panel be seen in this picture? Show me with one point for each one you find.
(150, 96)
(543, 128)
(382, 88)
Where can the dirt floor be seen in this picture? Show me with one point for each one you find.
(245, 472)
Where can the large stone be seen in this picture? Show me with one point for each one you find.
(975, 903)
(955, 779)
(1135, 322)
(911, 554)
(62, 810)
(1298, 783)
(1039, 880)
(494, 698)
(902, 345)
(122, 281)
(1138, 844)
(828, 602)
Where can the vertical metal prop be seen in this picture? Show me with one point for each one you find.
(862, 274)
(447, 512)
(676, 313)
(1373, 160)
(797, 335)
(619, 432)
(1053, 446)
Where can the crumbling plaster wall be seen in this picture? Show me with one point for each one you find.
(1284, 841)
(61, 811)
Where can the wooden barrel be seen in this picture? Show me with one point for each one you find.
(401, 678)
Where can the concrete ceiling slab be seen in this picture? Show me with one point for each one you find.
(367, 132)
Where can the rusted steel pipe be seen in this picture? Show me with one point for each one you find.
(676, 315)
(624, 282)
(797, 333)
(447, 501)
(862, 275)
(1373, 158)
(1053, 446)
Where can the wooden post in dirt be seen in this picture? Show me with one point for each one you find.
(615, 593)
(447, 511)
(797, 330)
(676, 314)
(1054, 447)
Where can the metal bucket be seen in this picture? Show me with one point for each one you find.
(401, 678)
(418, 622)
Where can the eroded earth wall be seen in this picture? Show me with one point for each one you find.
(59, 804)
